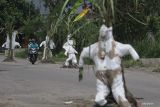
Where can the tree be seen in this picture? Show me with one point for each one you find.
(62, 15)
(53, 24)
(12, 16)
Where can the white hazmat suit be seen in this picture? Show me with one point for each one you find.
(106, 55)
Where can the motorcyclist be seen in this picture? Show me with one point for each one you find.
(32, 44)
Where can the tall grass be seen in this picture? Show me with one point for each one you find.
(147, 48)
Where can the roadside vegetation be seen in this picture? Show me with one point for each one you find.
(136, 22)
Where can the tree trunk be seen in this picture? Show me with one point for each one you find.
(47, 54)
(10, 51)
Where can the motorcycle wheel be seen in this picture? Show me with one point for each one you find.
(33, 59)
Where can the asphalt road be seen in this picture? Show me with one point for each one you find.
(49, 85)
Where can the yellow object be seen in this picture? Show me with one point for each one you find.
(83, 13)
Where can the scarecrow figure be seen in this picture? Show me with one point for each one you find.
(106, 55)
(70, 52)
(47, 44)
(15, 44)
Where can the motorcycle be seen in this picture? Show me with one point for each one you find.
(33, 53)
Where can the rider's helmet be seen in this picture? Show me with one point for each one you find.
(33, 40)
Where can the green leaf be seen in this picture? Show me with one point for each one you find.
(75, 7)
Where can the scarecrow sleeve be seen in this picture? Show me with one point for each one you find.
(127, 49)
